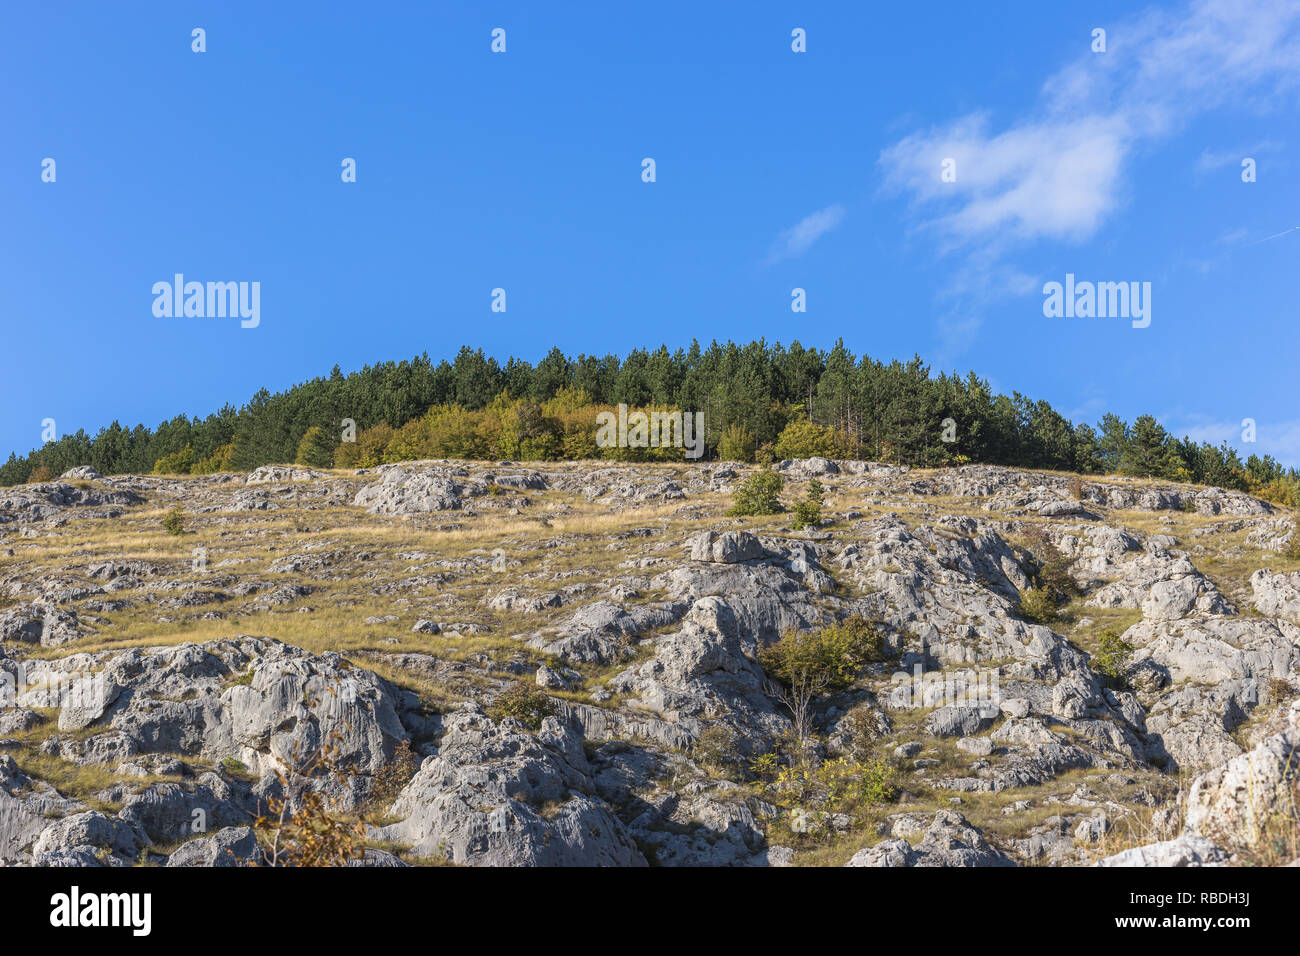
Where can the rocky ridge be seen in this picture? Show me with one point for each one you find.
(399, 610)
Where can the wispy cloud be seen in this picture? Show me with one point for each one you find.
(1213, 160)
(798, 238)
(1233, 237)
(1057, 172)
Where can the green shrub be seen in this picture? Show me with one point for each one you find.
(1038, 605)
(875, 783)
(716, 747)
(173, 522)
(736, 444)
(316, 449)
(177, 463)
(804, 439)
(525, 703)
(808, 512)
(1113, 655)
(759, 495)
(809, 664)
(806, 515)
(237, 768)
(1051, 570)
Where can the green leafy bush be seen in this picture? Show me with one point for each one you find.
(1038, 605)
(874, 784)
(1113, 655)
(736, 443)
(804, 439)
(759, 495)
(525, 703)
(808, 512)
(809, 664)
(173, 522)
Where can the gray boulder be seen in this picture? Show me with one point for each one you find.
(950, 840)
(1187, 850)
(729, 547)
(90, 831)
(1277, 595)
(407, 491)
(232, 846)
(498, 795)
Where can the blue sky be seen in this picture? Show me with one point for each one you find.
(775, 170)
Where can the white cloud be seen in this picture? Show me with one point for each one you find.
(1213, 160)
(796, 240)
(1058, 172)
(1232, 237)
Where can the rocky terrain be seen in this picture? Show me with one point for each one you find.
(360, 642)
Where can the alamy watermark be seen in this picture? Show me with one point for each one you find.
(46, 688)
(213, 300)
(1101, 300)
(638, 429)
(970, 687)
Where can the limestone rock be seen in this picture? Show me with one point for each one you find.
(498, 795)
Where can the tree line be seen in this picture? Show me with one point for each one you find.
(759, 401)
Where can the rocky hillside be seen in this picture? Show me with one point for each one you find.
(515, 665)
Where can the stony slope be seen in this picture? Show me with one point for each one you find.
(156, 690)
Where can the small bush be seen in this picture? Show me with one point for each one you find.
(304, 827)
(736, 444)
(1050, 568)
(39, 474)
(1278, 691)
(766, 766)
(809, 664)
(808, 512)
(237, 768)
(805, 439)
(806, 515)
(392, 777)
(1292, 550)
(174, 522)
(874, 785)
(759, 495)
(716, 747)
(1076, 488)
(525, 703)
(1037, 605)
(842, 785)
(1112, 657)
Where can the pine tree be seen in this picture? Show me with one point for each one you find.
(1149, 453)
